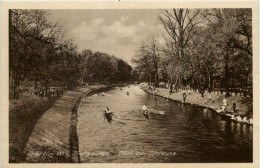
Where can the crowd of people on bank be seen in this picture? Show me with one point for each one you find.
(233, 115)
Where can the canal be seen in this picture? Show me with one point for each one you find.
(174, 133)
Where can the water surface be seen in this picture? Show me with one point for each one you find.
(174, 133)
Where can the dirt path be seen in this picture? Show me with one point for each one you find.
(51, 140)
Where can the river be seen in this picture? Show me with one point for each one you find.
(174, 133)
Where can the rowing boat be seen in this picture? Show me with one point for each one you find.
(146, 113)
(108, 116)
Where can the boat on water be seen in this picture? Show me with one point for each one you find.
(108, 116)
(146, 113)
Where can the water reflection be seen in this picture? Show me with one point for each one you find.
(195, 134)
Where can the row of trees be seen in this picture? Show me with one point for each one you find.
(204, 49)
(40, 56)
(103, 68)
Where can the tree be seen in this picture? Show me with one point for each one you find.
(232, 32)
(179, 25)
(147, 60)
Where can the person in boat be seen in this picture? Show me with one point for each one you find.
(108, 114)
(107, 110)
(145, 110)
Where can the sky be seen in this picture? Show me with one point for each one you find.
(115, 32)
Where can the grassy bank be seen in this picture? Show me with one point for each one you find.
(23, 115)
(244, 104)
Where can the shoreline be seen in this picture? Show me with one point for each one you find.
(74, 144)
(177, 97)
(54, 138)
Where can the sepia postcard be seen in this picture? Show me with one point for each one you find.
(130, 84)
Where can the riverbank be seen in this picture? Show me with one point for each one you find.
(23, 115)
(244, 104)
(54, 137)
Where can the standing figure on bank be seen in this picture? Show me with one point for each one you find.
(234, 106)
(184, 96)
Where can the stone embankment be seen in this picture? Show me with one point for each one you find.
(54, 138)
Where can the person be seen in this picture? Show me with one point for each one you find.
(223, 108)
(107, 110)
(127, 93)
(251, 120)
(144, 108)
(171, 87)
(184, 96)
(233, 117)
(108, 114)
(234, 106)
(245, 119)
(145, 111)
(205, 102)
(238, 118)
(225, 102)
(209, 98)
(103, 94)
(202, 92)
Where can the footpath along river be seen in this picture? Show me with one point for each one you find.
(174, 133)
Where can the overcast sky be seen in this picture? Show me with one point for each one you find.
(116, 32)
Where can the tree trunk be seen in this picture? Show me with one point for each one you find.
(246, 81)
(35, 83)
(46, 90)
(171, 83)
(157, 78)
(226, 74)
(210, 82)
